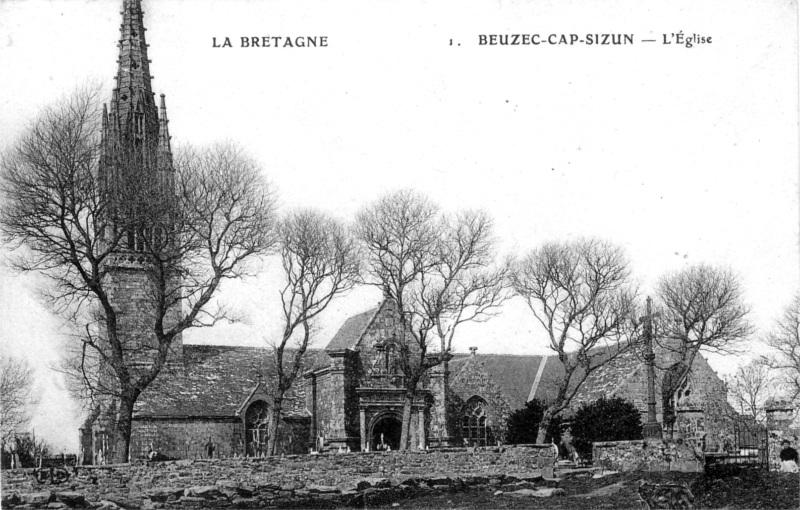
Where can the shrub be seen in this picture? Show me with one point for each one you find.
(606, 419)
(523, 425)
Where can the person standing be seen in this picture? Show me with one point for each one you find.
(789, 458)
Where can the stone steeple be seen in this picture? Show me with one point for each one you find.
(134, 138)
(136, 177)
(133, 103)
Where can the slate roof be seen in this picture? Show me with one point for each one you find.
(213, 381)
(515, 375)
(351, 331)
(607, 379)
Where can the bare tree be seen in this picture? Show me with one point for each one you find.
(320, 262)
(785, 341)
(581, 295)
(184, 229)
(749, 388)
(701, 308)
(16, 383)
(439, 271)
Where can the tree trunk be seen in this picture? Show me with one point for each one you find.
(274, 421)
(122, 438)
(408, 402)
(547, 417)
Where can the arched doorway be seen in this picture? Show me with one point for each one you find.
(256, 431)
(386, 433)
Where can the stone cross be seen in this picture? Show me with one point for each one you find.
(652, 429)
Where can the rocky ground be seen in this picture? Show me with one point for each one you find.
(575, 489)
(730, 491)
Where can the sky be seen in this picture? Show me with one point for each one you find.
(680, 154)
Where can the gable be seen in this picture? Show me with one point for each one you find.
(513, 375)
(348, 336)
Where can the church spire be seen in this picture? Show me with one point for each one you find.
(134, 104)
(163, 130)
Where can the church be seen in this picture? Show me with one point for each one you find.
(215, 401)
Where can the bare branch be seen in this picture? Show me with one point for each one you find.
(437, 270)
(16, 383)
(785, 341)
(749, 389)
(581, 295)
(700, 308)
(320, 261)
(86, 208)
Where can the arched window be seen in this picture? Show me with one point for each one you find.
(473, 428)
(684, 393)
(256, 429)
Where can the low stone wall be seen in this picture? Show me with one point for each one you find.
(277, 477)
(646, 456)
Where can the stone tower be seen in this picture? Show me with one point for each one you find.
(137, 179)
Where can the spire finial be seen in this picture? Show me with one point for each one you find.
(163, 127)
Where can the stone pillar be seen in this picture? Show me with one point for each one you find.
(422, 441)
(440, 387)
(413, 432)
(311, 405)
(651, 429)
(780, 414)
(362, 419)
(336, 436)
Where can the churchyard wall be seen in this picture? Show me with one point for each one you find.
(273, 480)
(646, 456)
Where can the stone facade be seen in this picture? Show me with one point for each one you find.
(187, 438)
(475, 396)
(356, 398)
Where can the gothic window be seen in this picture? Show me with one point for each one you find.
(473, 428)
(256, 422)
(682, 396)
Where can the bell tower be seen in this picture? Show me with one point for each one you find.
(137, 180)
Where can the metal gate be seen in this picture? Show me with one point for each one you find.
(751, 448)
